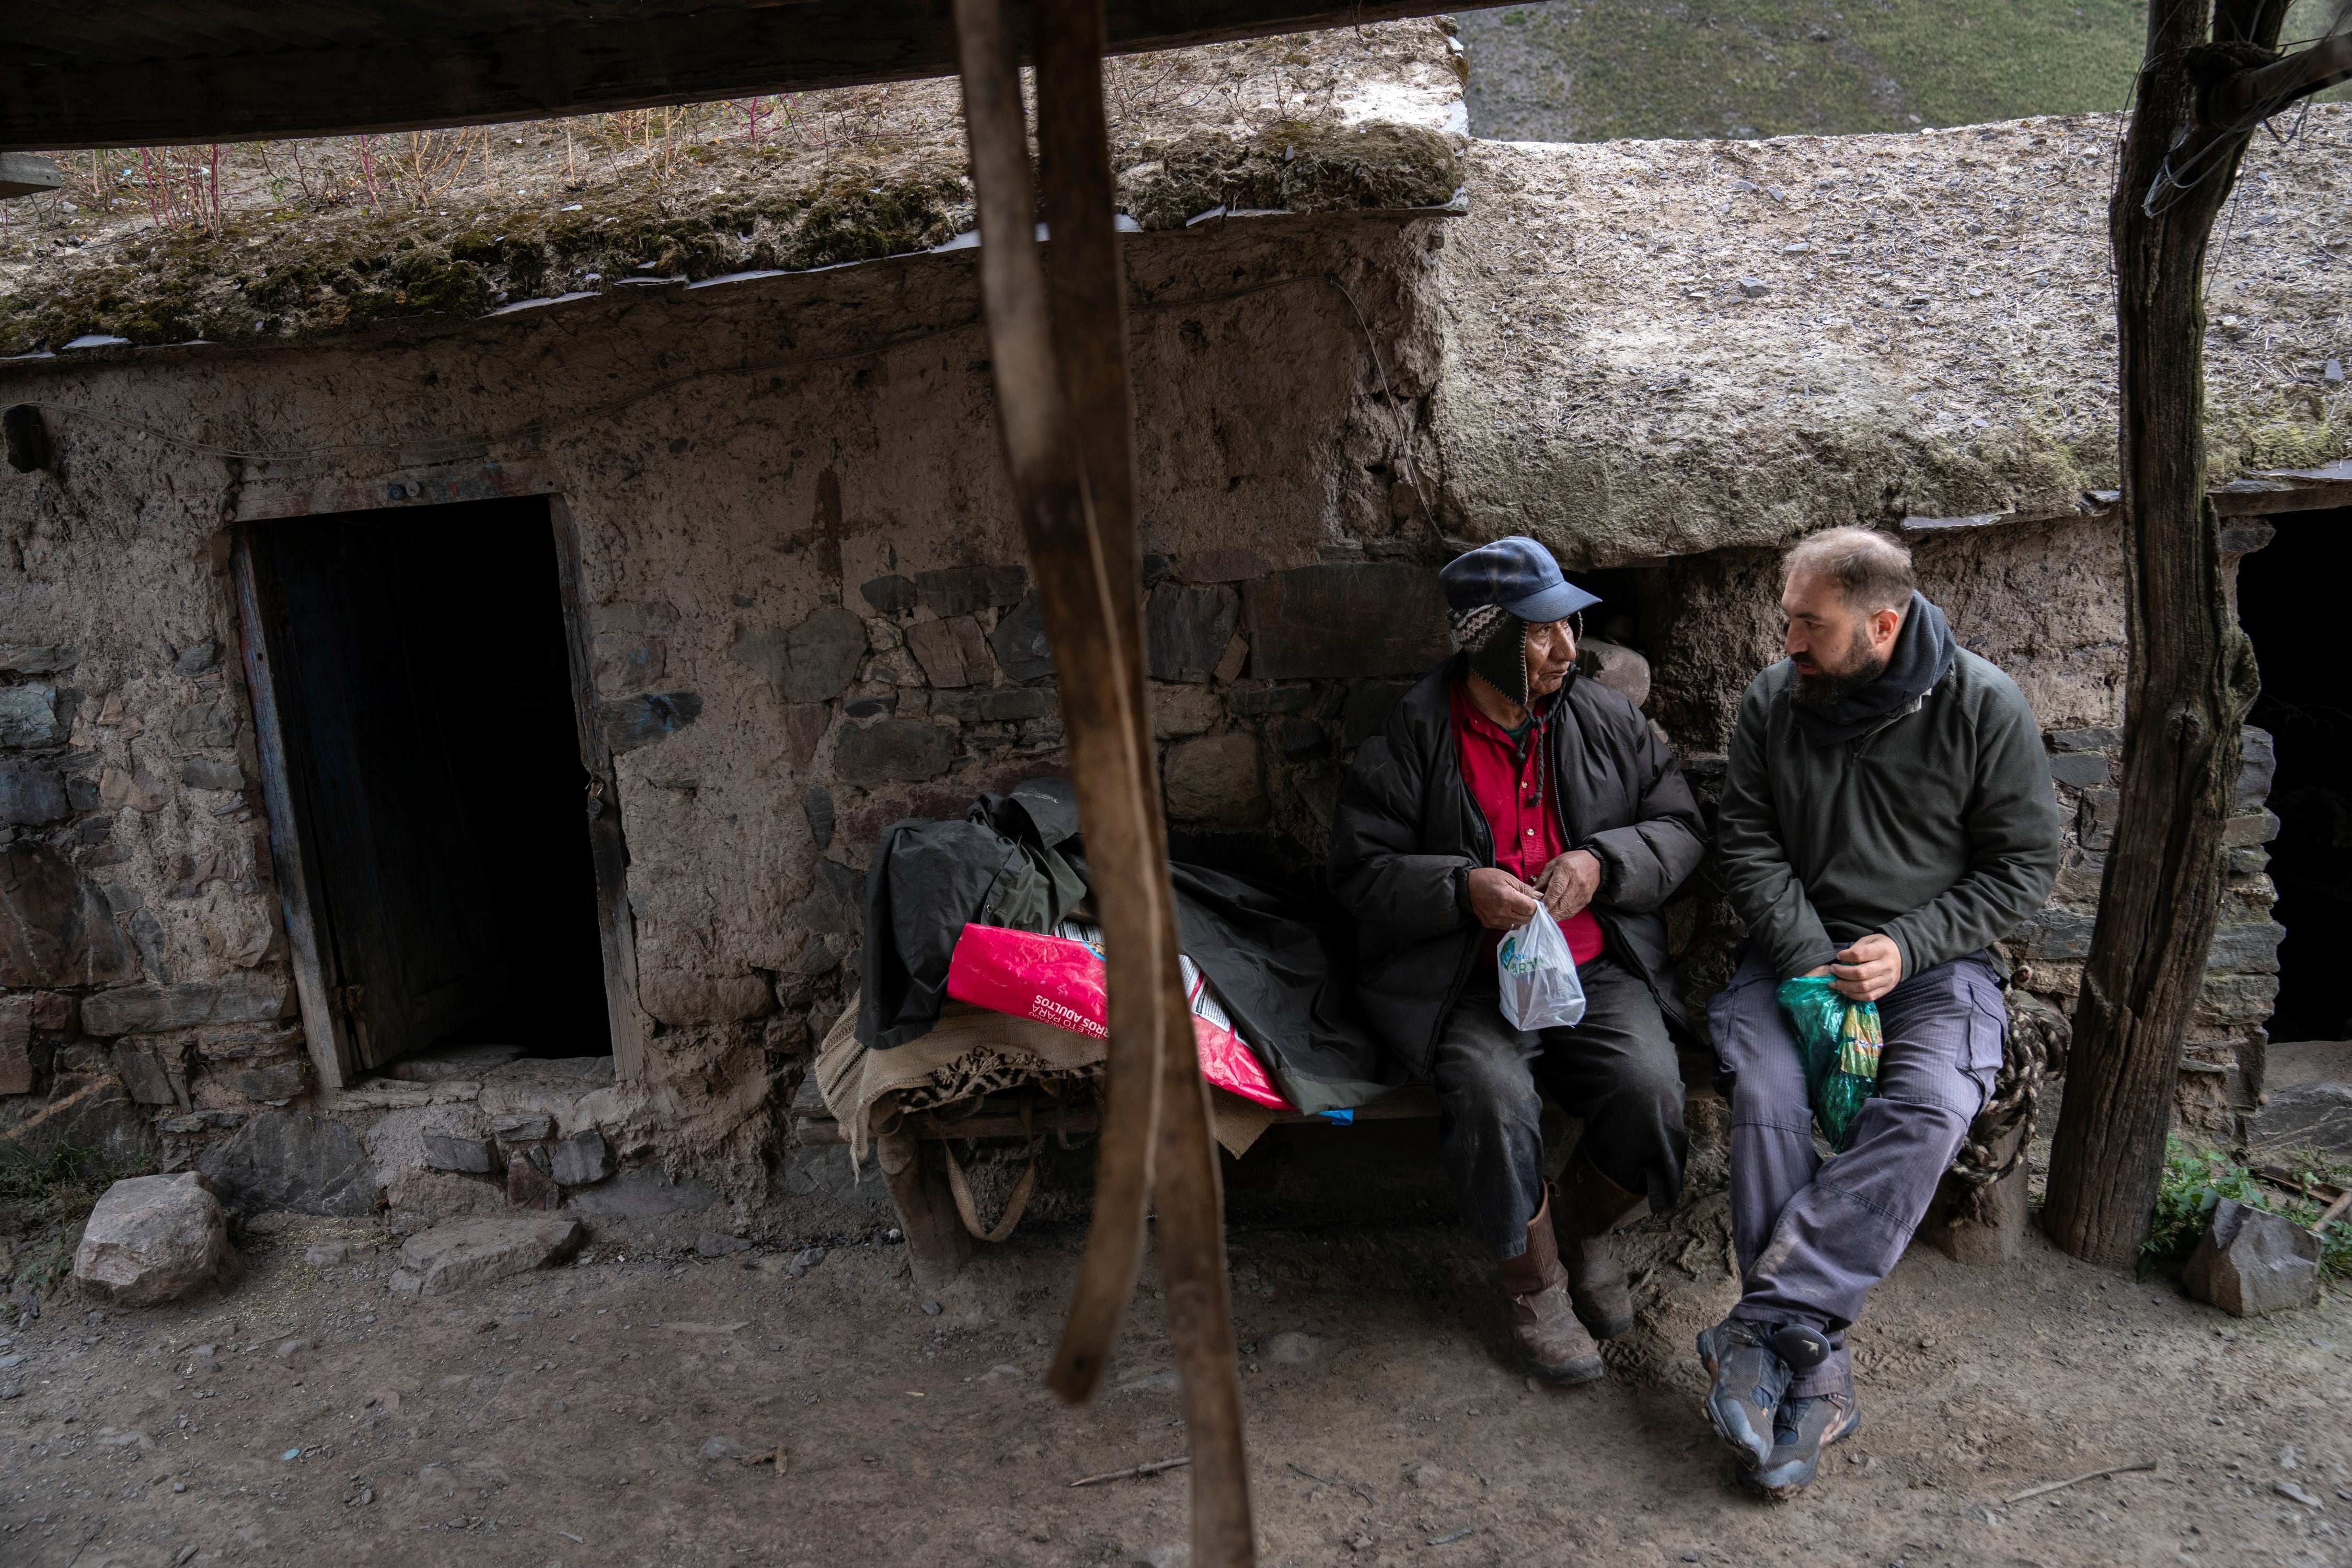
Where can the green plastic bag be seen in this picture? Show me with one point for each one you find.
(1838, 1041)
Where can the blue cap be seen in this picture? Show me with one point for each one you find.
(1517, 574)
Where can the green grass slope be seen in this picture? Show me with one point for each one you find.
(1594, 70)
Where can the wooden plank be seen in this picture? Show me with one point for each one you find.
(937, 1243)
(329, 1043)
(97, 75)
(23, 174)
(616, 930)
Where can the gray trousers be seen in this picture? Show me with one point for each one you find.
(1616, 1069)
(1814, 1235)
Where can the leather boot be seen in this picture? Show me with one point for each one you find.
(1592, 1206)
(1543, 1321)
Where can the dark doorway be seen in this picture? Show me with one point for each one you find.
(2288, 602)
(424, 693)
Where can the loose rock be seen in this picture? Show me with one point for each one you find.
(153, 1239)
(2250, 1262)
(474, 1251)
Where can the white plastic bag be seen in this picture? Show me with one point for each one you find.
(1540, 990)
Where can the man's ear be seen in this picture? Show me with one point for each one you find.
(1884, 625)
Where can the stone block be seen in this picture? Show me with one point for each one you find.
(1186, 628)
(1258, 702)
(28, 716)
(2095, 817)
(293, 1159)
(836, 901)
(1022, 650)
(959, 590)
(814, 661)
(627, 724)
(153, 1009)
(16, 1014)
(953, 653)
(890, 596)
(1217, 778)
(1365, 713)
(804, 727)
(1620, 668)
(275, 1084)
(2079, 770)
(582, 1159)
(2258, 765)
(1178, 711)
(680, 997)
(2261, 827)
(1343, 620)
(625, 661)
(95, 1126)
(448, 1062)
(2250, 948)
(2101, 738)
(2237, 996)
(529, 1127)
(817, 804)
(154, 1239)
(644, 1195)
(456, 1152)
(710, 1244)
(55, 927)
(1222, 566)
(1299, 740)
(2307, 1115)
(476, 1251)
(1003, 705)
(527, 1187)
(196, 657)
(154, 1072)
(56, 1011)
(203, 772)
(205, 726)
(31, 792)
(2058, 937)
(2249, 1262)
(32, 659)
(893, 751)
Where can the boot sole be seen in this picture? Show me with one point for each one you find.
(1754, 1482)
(1584, 1369)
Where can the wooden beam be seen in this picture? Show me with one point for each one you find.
(406, 68)
(23, 174)
(1072, 478)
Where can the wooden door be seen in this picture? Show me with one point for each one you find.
(409, 942)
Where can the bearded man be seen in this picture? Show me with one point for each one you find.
(1503, 779)
(1887, 817)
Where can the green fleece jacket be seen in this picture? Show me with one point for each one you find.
(1939, 827)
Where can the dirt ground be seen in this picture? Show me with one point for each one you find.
(569, 1416)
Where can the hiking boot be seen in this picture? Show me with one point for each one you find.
(1749, 1378)
(1543, 1321)
(1593, 1207)
(1804, 1426)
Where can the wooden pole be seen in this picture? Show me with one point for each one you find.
(2192, 670)
(1060, 366)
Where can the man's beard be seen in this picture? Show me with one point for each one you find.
(1823, 690)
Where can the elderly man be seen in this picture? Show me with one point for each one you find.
(1503, 779)
(1887, 817)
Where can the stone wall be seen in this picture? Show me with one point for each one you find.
(810, 617)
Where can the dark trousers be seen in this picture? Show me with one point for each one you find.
(1616, 1069)
(1813, 1234)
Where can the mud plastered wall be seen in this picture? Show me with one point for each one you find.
(790, 499)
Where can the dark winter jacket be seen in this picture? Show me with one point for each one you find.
(1937, 827)
(1407, 835)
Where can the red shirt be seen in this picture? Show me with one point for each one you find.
(1510, 790)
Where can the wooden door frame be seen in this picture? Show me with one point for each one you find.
(332, 1052)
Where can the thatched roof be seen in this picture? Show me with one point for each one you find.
(457, 225)
(1664, 346)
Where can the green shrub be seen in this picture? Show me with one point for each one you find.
(2196, 1180)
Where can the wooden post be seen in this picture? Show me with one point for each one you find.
(2192, 670)
(938, 1246)
(1060, 366)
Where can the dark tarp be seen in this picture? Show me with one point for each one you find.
(1282, 961)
